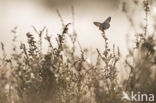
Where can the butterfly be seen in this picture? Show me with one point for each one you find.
(103, 26)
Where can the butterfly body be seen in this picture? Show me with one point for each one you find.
(103, 26)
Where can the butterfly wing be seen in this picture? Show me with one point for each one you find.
(97, 23)
(107, 26)
(103, 26)
(107, 21)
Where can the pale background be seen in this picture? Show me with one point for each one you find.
(40, 13)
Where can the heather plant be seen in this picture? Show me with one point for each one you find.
(63, 73)
(4, 78)
(141, 61)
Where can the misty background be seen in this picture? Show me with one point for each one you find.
(40, 13)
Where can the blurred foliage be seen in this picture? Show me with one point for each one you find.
(62, 76)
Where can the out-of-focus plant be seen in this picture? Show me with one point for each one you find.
(141, 60)
(61, 75)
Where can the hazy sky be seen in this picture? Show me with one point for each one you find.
(40, 13)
